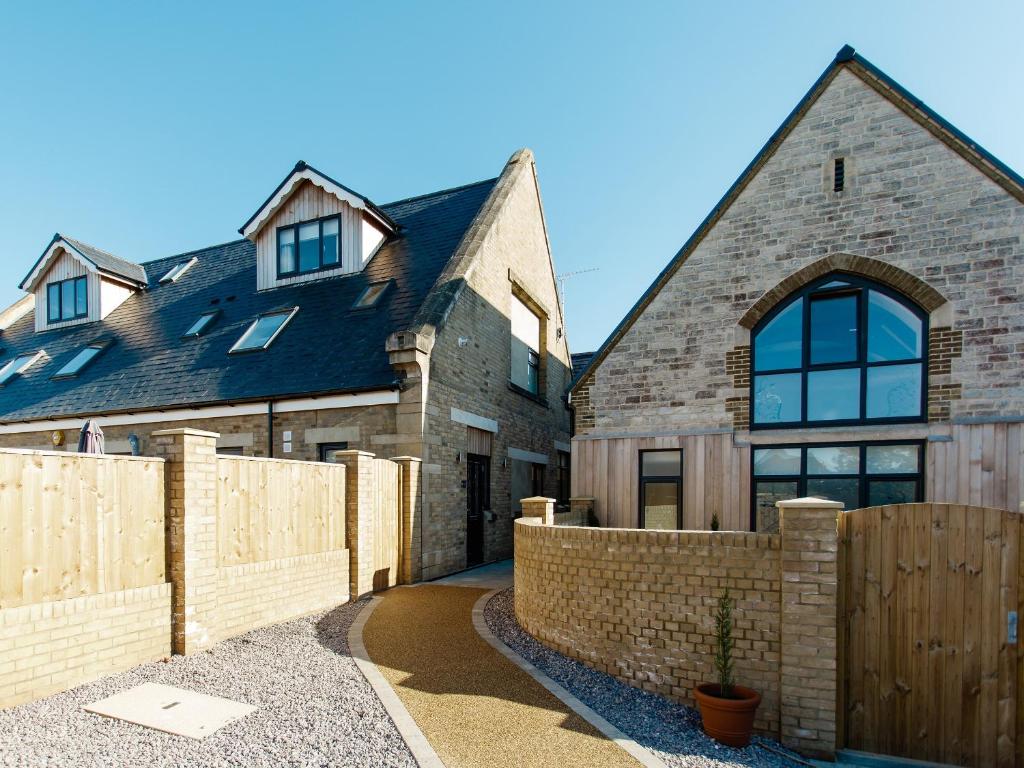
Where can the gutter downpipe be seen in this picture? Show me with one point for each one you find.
(270, 429)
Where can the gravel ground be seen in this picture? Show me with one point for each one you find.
(672, 731)
(315, 708)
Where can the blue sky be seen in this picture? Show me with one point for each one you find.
(150, 129)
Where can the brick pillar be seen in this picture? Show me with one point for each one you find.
(540, 507)
(808, 672)
(191, 498)
(410, 565)
(581, 509)
(359, 512)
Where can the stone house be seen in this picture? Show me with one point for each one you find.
(428, 327)
(847, 322)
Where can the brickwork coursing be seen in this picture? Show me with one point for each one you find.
(50, 647)
(938, 228)
(639, 605)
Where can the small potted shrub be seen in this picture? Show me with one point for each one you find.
(726, 710)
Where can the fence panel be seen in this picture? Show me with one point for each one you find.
(74, 524)
(386, 523)
(931, 670)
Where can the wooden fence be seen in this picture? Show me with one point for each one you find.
(930, 659)
(387, 528)
(73, 525)
(272, 508)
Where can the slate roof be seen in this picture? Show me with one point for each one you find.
(580, 362)
(326, 348)
(103, 261)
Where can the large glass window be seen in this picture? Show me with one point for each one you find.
(661, 486)
(263, 331)
(309, 246)
(857, 474)
(67, 299)
(841, 351)
(525, 347)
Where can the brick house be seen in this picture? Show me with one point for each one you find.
(847, 322)
(429, 327)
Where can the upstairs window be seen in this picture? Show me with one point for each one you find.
(178, 270)
(67, 300)
(371, 295)
(18, 365)
(309, 246)
(525, 347)
(200, 326)
(263, 330)
(841, 351)
(85, 356)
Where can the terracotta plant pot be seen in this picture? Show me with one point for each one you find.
(728, 721)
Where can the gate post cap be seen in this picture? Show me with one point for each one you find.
(810, 502)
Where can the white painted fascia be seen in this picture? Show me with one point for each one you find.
(532, 457)
(44, 263)
(473, 420)
(306, 174)
(383, 397)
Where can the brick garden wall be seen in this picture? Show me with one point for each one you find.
(639, 605)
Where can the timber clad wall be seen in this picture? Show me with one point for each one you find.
(639, 605)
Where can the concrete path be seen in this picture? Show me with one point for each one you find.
(494, 576)
(476, 707)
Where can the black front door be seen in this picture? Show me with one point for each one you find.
(478, 499)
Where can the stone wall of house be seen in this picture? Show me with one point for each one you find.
(909, 201)
(473, 375)
(363, 427)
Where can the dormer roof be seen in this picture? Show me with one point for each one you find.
(92, 258)
(305, 172)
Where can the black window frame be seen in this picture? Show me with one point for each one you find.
(323, 448)
(320, 247)
(60, 300)
(859, 287)
(644, 479)
(862, 476)
(564, 477)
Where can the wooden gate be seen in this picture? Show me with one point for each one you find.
(387, 529)
(929, 595)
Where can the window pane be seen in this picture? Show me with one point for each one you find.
(834, 284)
(891, 492)
(894, 390)
(370, 295)
(661, 463)
(894, 331)
(15, 366)
(777, 461)
(259, 333)
(525, 346)
(525, 325)
(53, 301)
(309, 247)
(67, 299)
(844, 490)
(330, 241)
(766, 494)
(777, 398)
(81, 297)
(661, 501)
(329, 452)
(833, 460)
(523, 375)
(834, 330)
(75, 364)
(833, 395)
(286, 251)
(200, 325)
(892, 459)
(779, 344)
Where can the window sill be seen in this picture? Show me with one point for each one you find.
(528, 394)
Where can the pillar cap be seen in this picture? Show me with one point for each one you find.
(185, 431)
(810, 502)
(354, 452)
(537, 499)
(406, 458)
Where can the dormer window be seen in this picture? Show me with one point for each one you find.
(309, 246)
(263, 330)
(67, 299)
(18, 365)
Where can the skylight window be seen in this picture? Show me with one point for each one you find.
(85, 356)
(263, 331)
(200, 326)
(371, 295)
(18, 365)
(178, 270)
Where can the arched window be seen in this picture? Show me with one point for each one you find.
(843, 350)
